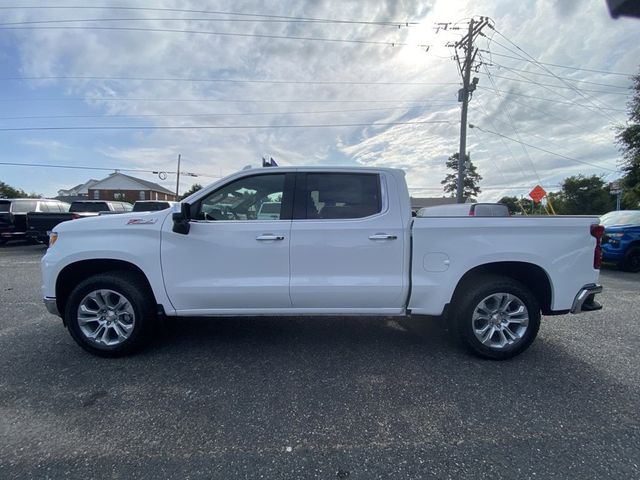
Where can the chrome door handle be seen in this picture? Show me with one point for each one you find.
(382, 236)
(269, 236)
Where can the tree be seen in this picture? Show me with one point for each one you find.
(629, 140)
(582, 195)
(471, 178)
(7, 191)
(194, 188)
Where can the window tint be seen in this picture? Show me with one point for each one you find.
(244, 199)
(342, 195)
(150, 206)
(24, 206)
(89, 207)
(5, 206)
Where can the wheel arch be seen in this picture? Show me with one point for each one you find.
(71, 275)
(534, 277)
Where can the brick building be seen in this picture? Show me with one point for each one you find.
(126, 188)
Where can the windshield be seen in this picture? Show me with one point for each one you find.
(623, 217)
(150, 206)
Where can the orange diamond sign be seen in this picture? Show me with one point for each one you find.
(537, 194)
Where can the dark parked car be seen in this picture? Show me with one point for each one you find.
(621, 240)
(40, 224)
(13, 214)
(151, 205)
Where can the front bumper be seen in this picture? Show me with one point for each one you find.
(52, 306)
(585, 299)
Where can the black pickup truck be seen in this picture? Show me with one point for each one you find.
(40, 224)
(13, 215)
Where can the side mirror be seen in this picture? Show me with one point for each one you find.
(181, 219)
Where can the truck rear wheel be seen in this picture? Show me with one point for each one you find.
(496, 317)
(109, 314)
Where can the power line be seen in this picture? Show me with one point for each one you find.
(207, 12)
(522, 80)
(577, 80)
(117, 169)
(597, 105)
(549, 99)
(560, 66)
(219, 127)
(222, 34)
(188, 115)
(545, 150)
(200, 19)
(598, 108)
(515, 130)
(211, 100)
(220, 80)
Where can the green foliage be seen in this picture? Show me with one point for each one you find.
(628, 138)
(582, 195)
(471, 178)
(194, 188)
(7, 191)
(523, 206)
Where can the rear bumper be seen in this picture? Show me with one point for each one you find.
(51, 305)
(11, 234)
(585, 299)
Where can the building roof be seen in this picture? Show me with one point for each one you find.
(144, 183)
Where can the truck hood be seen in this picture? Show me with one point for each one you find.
(133, 220)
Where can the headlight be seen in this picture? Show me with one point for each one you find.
(53, 238)
(615, 235)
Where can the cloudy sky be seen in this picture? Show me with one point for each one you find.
(379, 98)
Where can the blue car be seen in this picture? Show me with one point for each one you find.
(621, 240)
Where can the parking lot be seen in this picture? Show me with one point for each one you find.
(317, 398)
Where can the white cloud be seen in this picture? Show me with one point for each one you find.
(578, 34)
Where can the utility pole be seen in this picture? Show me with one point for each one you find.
(468, 86)
(178, 178)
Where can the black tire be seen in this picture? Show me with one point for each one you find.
(126, 284)
(631, 262)
(472, 294)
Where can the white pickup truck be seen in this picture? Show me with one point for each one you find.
(343, 243)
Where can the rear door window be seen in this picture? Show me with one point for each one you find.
(342, 195)
(24, 206)
(5, 206)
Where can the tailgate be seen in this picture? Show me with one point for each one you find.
(44, 222)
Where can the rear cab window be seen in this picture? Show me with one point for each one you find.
(341, 195)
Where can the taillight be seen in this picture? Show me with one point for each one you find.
(75, 216)
(597, 231)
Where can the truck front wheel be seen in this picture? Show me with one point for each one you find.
(109, 314)
(496, 317)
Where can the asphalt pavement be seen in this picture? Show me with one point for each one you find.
(327, 398)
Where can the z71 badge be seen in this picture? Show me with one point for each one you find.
(142, 221)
